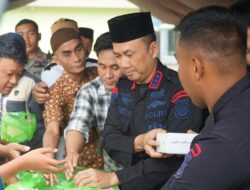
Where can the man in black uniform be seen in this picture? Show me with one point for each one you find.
(212, 69)
(148, 100)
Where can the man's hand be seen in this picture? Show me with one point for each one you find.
(95, 178)
(13, 150)
(50, 177)
(40, 93)
(36, 160)
(191, 132)
(71, 163)
(150, 143)
(11, 180)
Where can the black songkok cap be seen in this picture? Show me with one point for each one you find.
(86, 32)
(130, 26)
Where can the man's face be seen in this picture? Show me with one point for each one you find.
(10, 73)
(71, 56)
(87, 44)
(136, 59)
(108, 69)
(248, 46)
(187, 73)
(31, 37)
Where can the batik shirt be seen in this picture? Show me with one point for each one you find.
(59, 107)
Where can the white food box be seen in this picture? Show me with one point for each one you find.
(174, 143)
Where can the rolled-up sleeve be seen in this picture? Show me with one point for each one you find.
(82, 115)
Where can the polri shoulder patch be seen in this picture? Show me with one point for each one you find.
(181, 105)
(178, 95)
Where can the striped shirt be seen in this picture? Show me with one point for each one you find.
(92, 102)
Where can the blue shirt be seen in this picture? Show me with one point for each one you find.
(1, 184)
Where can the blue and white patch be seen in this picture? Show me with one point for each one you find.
(156, 114)
(156, 126)
(182, 109)
(125, 112)
(157, 94)
(126, 98)
(155, 104)
(185, 163)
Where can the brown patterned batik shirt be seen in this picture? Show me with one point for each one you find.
(60, 105)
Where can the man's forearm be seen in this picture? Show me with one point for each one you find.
(74, 141)
(12, 167)
(52, 135)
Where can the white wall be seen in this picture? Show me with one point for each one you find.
(95, 18)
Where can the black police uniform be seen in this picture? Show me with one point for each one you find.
(219, 158)
(136, 109)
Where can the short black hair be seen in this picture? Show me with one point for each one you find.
(87, 33)
(242, 7)
(103, 42)
(12, 46)
(27, 21)
(148, 39)
(214, 29)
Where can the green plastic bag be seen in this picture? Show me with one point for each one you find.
(18, 127)
(36, 181)
(28, 181)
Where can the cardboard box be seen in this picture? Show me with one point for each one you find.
(174, 143)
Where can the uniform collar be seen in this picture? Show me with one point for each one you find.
(66, 77)
(234, 91)
(39, 56)
(156, 79)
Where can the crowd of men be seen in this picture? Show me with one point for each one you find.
(105, 114)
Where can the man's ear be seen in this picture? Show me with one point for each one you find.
(55, 59)
(154, 49)
(39, 36)
(197, 67)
